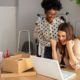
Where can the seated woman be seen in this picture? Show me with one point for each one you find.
(67, 49)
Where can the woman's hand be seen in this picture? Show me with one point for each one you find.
(53, 43)
(70, 44)
(72, 58)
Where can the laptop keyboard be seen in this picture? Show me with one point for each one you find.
(66, 74)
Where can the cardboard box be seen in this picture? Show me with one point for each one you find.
(29, 73)
(18, 63)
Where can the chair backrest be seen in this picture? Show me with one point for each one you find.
(19, 36)
(25, 47)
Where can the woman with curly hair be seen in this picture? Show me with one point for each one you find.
(46, 28)
(67, 49)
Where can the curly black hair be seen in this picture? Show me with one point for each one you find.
(51, 4)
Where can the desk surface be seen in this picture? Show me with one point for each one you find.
(37, 77)
(33, 77)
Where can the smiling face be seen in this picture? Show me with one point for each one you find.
(50, 14)
(62, 37)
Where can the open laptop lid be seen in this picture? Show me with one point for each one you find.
(47, 67)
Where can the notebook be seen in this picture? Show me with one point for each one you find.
(50, 68)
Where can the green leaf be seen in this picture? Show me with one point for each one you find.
(78, 1)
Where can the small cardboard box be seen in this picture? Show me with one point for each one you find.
(18, 63)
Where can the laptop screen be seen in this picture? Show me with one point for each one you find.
(47, 67)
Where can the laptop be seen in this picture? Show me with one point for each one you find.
(51, 68)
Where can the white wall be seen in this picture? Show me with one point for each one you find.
(7, 28)
(27, 11)
(8, 25)
(8, 2)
